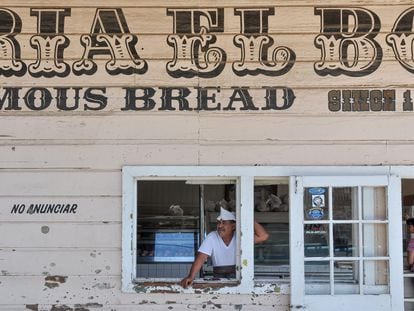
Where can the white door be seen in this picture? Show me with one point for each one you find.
(346, 251)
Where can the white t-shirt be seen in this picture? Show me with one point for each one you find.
(221, 254)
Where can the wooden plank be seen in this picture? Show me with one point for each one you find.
(305, 154)
(341, 128)
(51, 235)
(106, 289)
(60, 183)
(209, 152)
(182, 3)
(287, 18)
(229, 152)
(376, 127)
(128, 127)
(60, 261)
(301, 75)
(88, 209)
(298, 100)
(153, 47)
(106, 155)
(211, 305)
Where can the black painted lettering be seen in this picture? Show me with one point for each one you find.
(191, 36)
(110, 36)
(241, 94)
(73, 208)
(66, 208)
(167, 98)
(131, 98)
(272, 98)
(203, 98)
(346, 42)
(18, 208)
(11, 94)
(360, 100)
(92, 96)
(257, 53)
(401, 39)
(334, 100)
(10, 26)
(389, 100)
(62, 98)
(375, 100)
(37, 98)
(50, 208)
(408, 101)
(50, 41)
(346, 100)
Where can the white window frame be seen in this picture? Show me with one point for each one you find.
(246, 176)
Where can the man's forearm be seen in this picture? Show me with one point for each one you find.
(260, 233)
(197, 264)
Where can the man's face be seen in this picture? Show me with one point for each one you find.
(411, 228)
(225, 228)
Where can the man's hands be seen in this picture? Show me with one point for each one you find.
(187, 281)
(195, 267)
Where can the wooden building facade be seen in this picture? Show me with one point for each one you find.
(298, 114)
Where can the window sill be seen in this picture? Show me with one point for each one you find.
(173, 286)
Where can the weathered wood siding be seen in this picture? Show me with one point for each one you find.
(73, 261)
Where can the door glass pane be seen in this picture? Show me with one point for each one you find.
(374, 203)
(346, 277)
(345, 238)
(345, 203)
(376, 277)
(316, 203)
(375, 240)
(317, 278)
(316, 240)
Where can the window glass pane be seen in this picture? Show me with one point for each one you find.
(374, 203)
(167, 228)
(375, 240)
(408, 306)
(376, 277)
(345, 238)
(215, 197)
(317, 278)
(346, 277)
(271, 203)
(316, 203)
(316, 240)
(345, 203)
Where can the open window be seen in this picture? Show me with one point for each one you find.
(173, 216)
(166, 218)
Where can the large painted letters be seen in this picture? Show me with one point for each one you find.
(402, 39)
(110, 36)
(346, 42)
(191, 41)
(255, 44)
(10, 26)
(49, 43)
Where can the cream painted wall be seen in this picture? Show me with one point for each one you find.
(69, 261)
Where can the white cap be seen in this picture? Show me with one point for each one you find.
(226, 215)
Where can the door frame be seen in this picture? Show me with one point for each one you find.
(394, 300)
